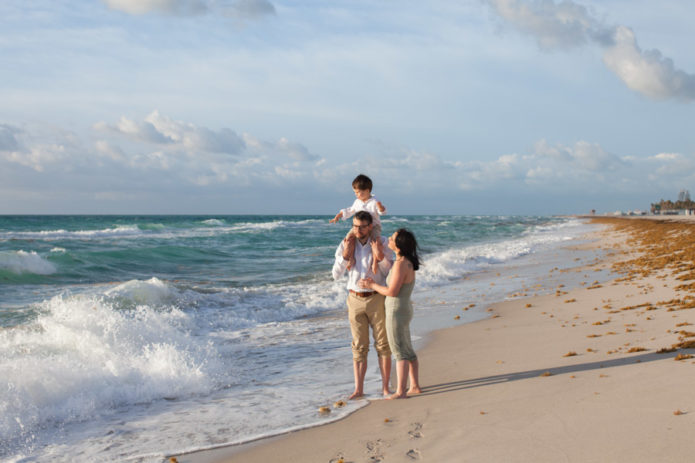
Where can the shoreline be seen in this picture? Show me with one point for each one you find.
(569, 376)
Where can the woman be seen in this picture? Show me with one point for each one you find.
(399, 309)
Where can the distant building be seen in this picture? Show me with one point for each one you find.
(683, 195)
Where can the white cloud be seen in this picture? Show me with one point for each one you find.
(39, 150)
(138, 7)
(673, 166)
(282, 147)
(240, 9)
(36, 157)
(646, 72)
(564, 25)
(296, 151)
(568, 24)
(546, 167)
(158, 129)
(667, 156)
(288, 172)
(584, 155)
(142, 131)
(109, 151)
(593, 158)
(200, 156)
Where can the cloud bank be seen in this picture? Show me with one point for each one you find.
(162, 158)
(567, 24)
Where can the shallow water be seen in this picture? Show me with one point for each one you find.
(129, 338)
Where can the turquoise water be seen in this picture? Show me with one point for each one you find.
(172, 333)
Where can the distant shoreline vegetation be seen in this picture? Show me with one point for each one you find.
(668, 205)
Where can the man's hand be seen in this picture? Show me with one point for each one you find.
(366, 283)
(337, 217)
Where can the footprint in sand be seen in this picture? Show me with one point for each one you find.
(413, 454)
(415, 433)
(374, 451)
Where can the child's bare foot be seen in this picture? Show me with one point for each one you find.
(351, 263)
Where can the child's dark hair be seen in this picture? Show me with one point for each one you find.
(362, 182)
(407, 246)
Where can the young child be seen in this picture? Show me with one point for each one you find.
(362, 185)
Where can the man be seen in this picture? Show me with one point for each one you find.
(365, 307)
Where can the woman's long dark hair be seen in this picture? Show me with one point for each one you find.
(407, 246)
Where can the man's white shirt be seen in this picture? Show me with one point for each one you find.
(363, 264)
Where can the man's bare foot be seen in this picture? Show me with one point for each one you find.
(397, 396)
(356, 395)
(414, 391)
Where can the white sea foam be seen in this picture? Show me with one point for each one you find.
(150, 231)
(155, 231)
(52, 235)
(257, 227)
(393, 219)
(58, 250)
(90, 356)
(151, 292)
(25, 262)
(214, 222)
(439, 268)
(83, 358)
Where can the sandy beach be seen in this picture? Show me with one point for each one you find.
(602, 372)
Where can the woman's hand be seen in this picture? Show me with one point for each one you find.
(366, 283)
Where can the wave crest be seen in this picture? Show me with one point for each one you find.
(20, 262)
(84, 357)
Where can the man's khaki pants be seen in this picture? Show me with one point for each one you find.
(364, 312)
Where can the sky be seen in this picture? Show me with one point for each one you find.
(529, 107)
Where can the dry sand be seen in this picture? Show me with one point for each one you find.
(570, 376)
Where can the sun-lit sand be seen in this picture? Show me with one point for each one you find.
(599, 373)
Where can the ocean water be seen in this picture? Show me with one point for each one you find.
(130, 338)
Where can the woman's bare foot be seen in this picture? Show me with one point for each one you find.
(402, 395)
(356, 395)
(414, 391)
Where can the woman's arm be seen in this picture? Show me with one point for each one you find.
(398, 272)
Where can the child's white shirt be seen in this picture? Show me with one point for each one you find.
(368, 205)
